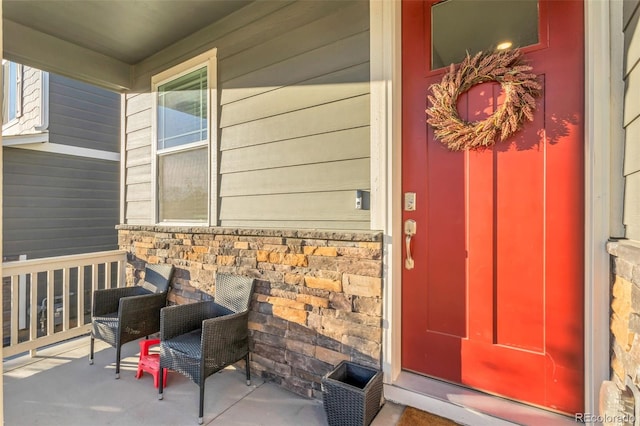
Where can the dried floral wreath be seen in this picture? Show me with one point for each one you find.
(520, 88)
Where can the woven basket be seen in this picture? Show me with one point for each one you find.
(351, 394)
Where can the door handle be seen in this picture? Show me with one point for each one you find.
(410, 227)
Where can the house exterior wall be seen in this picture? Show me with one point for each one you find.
(82, 115)
(294, 114)
(317, 300)
(31, 106)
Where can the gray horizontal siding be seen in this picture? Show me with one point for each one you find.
(631, 170)
(294, 118)
(57, 205)
(83, 115)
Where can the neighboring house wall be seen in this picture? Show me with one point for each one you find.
(294, 118)
(56, 204)
(621, 395)
(31, 105)
(83, 116)
(61, 195)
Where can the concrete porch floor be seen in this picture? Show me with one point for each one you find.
(59, 387)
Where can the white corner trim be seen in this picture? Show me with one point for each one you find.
(123, 156)
(74, 151)
(598, 130)
(386, 89)
(44, 102)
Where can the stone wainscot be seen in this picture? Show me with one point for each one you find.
(620, 396)
(317, 300)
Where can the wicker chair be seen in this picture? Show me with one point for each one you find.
(199, 339)
(121, 315)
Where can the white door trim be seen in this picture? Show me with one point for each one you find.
(386, 120)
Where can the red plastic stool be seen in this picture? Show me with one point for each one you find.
(150, 362)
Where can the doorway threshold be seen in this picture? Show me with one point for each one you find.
(466, 406)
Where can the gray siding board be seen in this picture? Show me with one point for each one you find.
(628, 9)
(83, 115)
(139, 192)
(334, 57)
(139, 156)
(316, 206)
(338, 85)
(56, 204)
(631, 43)
(138, 211)
(326, 147)
(340, 115)
(632, 148)
(334, 176)
(340, 24)
(632, 206)
(137, 102)
(139, 174)
(139, 139)
(307, 224)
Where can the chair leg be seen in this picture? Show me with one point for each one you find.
(91, 351)
(117, 362)
(201, 412)
(160, 382)
(246, 365)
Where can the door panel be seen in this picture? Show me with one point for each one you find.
(495, 300)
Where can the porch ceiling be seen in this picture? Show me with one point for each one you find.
(100, 41)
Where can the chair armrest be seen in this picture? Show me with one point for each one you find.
(181, 319)
(226, 338)
(106, 301)
(142, 305)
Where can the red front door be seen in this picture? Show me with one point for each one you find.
(495, 300)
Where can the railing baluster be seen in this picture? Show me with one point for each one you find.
(15, 305)
(80, 296)
(51, 325)
(33, 318)
(66, 304)
(107, 275)
(122, 273)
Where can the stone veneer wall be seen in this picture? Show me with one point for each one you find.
(619, 397)
(317, 300)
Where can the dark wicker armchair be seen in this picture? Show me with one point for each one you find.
(199, 339)
(121, 315)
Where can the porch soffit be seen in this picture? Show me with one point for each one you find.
(100, 41)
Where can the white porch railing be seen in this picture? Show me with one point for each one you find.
(58, 297)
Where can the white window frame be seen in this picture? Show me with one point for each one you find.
(208, 59)
(18, 100)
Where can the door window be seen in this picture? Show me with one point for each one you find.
(461, 26)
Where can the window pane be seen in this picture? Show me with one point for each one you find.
(182, 110)
(459, 26)
(182, 182)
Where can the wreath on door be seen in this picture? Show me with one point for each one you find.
(520, 88)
